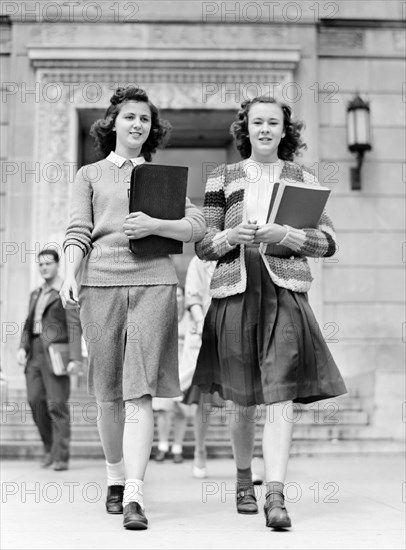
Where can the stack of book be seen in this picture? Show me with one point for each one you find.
(298, 205)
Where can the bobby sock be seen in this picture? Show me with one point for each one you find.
(176, 448)
(274, 490)
(115, 473)
(133, 492)
(163, 446)
(200, 458)
(244, 477)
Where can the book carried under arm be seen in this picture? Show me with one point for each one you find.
(59, 355)
(160, 192)
(298, 205)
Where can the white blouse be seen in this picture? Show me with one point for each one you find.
(260, 180)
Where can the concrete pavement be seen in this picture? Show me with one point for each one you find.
(346, 502)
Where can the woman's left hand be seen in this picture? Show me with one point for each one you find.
(138, 225)
(270, 233)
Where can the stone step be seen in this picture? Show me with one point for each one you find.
(88, 412)
(23, 450)
(79, 399)
(214, 434)
(23, 417)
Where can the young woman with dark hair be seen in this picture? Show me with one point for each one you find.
(127, 303)
(103, 130)
(261, 343)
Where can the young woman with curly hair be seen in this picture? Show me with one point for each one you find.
(128, 303)
(261, 342)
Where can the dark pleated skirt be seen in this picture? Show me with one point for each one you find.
(265, 346)
(194, 395)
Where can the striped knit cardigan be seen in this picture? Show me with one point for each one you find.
(224, 208)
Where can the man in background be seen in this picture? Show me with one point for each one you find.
(47, 393)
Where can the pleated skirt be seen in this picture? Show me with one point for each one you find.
(265, 346)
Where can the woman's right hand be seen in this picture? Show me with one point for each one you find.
(243, 233)
(69, 294)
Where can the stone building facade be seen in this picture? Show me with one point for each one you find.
(198, 61)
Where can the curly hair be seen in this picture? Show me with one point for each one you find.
(290, 144)
(102, 129)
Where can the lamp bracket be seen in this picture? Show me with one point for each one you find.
(356, 172)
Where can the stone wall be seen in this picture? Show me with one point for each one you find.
(364, 289)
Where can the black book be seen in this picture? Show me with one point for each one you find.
(298, 205)
(160, 192)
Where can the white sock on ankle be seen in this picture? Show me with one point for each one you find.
(134, 492)
(115, 473)
(163, 446)
(176, 448)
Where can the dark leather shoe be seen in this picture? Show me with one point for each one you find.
(160, 456)
(276, 515)
(246, 500)
(47, 460)
(61, 465)
(134, 517)
(114, 500)
(177, 458)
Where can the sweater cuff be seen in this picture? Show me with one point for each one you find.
(75, 242)
(196, 230)
(294, 238)
(193, 302)
(221, 244)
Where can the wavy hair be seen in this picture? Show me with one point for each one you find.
(290, 144)
(102, 129)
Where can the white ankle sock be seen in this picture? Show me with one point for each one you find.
(115, 473)
(176, 448)
(163, 446)
(134, 492)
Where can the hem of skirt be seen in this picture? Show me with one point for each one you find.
(115, 283)
(105, 399)
(194, 395)
(272, 398)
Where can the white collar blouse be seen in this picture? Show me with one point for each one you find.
(118, 160)
(260, 179)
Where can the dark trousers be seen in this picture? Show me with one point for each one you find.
(47, 396)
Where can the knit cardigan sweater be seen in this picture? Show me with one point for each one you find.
(225, 208)
(98, 210)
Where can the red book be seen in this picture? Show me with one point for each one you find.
(160, 192)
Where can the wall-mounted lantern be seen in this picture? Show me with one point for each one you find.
(358, 135)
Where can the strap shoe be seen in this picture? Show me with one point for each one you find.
(246, 499)
(276, 515)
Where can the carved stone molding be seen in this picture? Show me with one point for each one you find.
(171, 67)
(163, 35)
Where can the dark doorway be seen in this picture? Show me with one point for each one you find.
(191, 128)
